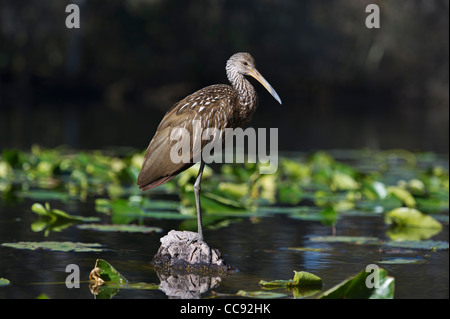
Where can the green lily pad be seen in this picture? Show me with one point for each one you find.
(140, 286)
(328, 216)
(107, 281)
(260, 294)
(402, 194)
(410, 217)
(40, 194)
(294, 170)
(51, 219)
(161, 205)
(103, 205)
(166, 215)
(305, 291)
(301, 278)
(124, 212)
(411, 233)
(121, 228)
(55, 214)
(362, 286)
(345, 239)
(375, 190)
(211, 203)
(64, 246)
(343, 181)
(304, 278)
(403, 260)
(4, 282)
(108, 273)
(432, 204)
(290, 194)
(233, 190)
(276, 283)
(423, 244)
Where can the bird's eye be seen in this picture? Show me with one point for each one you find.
(245, 63)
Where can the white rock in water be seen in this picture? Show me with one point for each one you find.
(175, 236)
(182, 248)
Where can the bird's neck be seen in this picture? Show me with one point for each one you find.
(246, 91)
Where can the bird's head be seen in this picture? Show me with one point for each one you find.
(243, 63)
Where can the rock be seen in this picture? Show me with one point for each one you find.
(181, 251)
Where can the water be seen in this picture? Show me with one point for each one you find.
(258, 247)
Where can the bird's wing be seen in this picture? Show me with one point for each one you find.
(211, 107)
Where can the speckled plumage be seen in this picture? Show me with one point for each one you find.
(217, 106)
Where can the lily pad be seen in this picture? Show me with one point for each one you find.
(55, 214)
(290, 194)
(301, 278)
(140, 286)
(305, 291)
(51, 219)
(403, 260)
(304, 278)
(166, 215)
(411, 233)
(121, 228)
(345, 239)
(260, 294)
(106, 281)
(211, 203)
(4, 282)
(328, 216)
(402, 194)
(40, 194)
(357, 287)
(123, 212)
(410, 217)
(423, 244)
(65, 246)
(276, 283)
(106, 273)
(103, 205)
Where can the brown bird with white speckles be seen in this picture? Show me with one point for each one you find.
(217, 106)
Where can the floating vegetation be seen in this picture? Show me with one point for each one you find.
(64, 246)
(106, 281)
(410, 217)
(121, 228)
(4, 282)
(405, 187)
(402, 260)
(407, 191)
(410, 244)
(51, 219)
(368, 284)
(260, 294)
(362, 286)
(388, 180)
(301, 279)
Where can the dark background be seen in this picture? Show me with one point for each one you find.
(110, 82)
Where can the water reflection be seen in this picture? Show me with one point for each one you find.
(187, 286)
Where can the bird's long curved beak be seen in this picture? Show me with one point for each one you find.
(254, 73)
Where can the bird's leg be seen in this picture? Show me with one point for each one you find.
(197, 187)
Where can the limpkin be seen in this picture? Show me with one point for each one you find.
(217, 106)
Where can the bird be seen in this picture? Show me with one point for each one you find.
(218, 106)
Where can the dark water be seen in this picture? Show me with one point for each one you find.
(257, 247)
